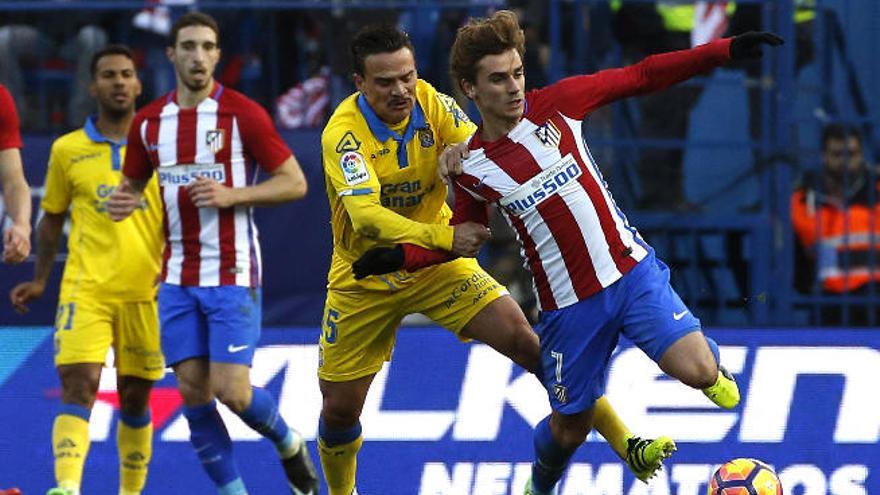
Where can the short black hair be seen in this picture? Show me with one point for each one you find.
(109, 50)
(377, 38)
(193, 19)
(839, 131)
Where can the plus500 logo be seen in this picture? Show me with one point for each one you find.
(549, 182)
(181, 175)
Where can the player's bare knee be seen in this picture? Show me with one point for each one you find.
(232, 397)
(134, 403)
(78, 387)
(134, 394)
(193, 393)
(706, 372)
(339, 408)
(698, 373)
(340, 414)
(570, 430)
(570, 435)
(80, 395)
(522, 345)
(529, 348)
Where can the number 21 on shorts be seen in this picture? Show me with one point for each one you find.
(67, 319)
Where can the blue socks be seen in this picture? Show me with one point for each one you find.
(213, 446)
(210, 438)
(76, 410)
(551, 460)
(335, 438)
(262, 415)
(233, 488)
(713, 346)
(135, 421)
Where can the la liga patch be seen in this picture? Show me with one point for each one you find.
(354, 169)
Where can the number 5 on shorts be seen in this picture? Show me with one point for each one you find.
(330, 332)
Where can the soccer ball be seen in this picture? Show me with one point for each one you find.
(745, 477)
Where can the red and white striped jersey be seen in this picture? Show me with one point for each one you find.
(222, 138)
(574, 239)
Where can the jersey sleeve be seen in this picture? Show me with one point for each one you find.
(453, 125)
(347, 171)
(261, 139)
(10, 136)
(351, 177)
(466, 209)
(57, 194)
(577, 96)
(137, 161)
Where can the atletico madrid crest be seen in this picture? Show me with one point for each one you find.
(561, 393)
(549, 134)
(215, 140)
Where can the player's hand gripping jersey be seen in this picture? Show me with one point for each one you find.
(382, 182)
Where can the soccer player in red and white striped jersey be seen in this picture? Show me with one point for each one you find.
(205, 142)
(596, 278)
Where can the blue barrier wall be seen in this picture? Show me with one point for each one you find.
(450, 419)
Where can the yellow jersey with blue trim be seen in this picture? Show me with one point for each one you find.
(382, 180)
(106, 260)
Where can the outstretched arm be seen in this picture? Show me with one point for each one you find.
(583, 94)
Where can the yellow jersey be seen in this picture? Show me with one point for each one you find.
(382, 181)
(106, 260)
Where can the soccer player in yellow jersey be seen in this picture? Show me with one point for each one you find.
(380, 153)
(108, 290)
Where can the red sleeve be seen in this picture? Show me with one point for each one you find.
(417, 257)
(260, 138)
(579, 95)
(9, 133)
(466, 209)
(137, 161)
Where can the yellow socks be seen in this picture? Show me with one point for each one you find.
(70, 445)
(610, 426)
(134, 440)
(340, 465)
(644, 457)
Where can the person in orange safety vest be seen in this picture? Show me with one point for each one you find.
(836, 218)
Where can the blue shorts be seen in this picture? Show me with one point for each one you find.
(577, 341)
(220, 323)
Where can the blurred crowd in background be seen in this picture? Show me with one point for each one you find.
(295, 62)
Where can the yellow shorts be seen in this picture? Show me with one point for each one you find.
(359, 327)
(85, 330)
